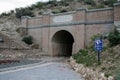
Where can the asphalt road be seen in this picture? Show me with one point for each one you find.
(47, 71)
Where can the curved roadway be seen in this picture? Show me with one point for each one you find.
(47, 71)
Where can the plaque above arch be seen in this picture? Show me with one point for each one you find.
(62, 18)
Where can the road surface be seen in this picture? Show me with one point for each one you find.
(47, 71)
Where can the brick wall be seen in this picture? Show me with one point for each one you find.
(82, 24)
(117, 12)
(100, 15)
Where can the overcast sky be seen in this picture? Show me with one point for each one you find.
(7, 5)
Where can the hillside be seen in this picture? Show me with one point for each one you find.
(54, 6)
(109, 63)
(11, 20)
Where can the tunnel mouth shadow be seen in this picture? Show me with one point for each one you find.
(62, 43)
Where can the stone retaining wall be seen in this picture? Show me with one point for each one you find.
(88, 73)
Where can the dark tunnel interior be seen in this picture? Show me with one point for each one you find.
(62, 42)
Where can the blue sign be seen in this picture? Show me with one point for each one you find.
(98, 44)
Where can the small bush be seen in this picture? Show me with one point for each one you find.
(114, 38)
(84, 52)
(91, 47)
(100, 6)
(107, 74)
(64, 3)
(117, 76)
(90, 2)
(39, 5)
(63, 10)
(23, 12)
(28, 40)
(55, 11)
(80, 0)
(40, 13)
(52, 3)
(110, 2)
(97, 36)
(5, 14)
(82, 57)
(105, 48)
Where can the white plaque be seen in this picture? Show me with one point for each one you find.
(62, 18)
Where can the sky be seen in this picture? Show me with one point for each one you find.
(7, 5)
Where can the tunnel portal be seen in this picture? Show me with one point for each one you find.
(62, 43)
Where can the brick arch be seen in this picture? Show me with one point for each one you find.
(62, 43)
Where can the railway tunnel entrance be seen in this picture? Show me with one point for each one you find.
(62, 42)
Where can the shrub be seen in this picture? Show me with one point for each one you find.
(28, 40)
(81, 52)
(39, 5)
(23, 12)
(96, 36)
(80, 0)
(64, 3)
(68, 0)
(55, 11)
(110, 2)
(84, 52)
(63, 10)
(83, 57)
(52, 3)
(107, 74)
(40, 13)
(5, 14)
(90, 2)
(100, 6)
(114, 38)
(117, 76)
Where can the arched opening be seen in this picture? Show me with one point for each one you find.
(62, 43)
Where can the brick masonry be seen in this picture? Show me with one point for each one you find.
(81, 24)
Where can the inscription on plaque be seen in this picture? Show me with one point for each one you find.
(62, 18)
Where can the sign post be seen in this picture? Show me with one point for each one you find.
(98, 47)
(98, 56)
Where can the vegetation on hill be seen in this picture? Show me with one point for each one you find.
(28, 40)
(109, 56)
(114, 38)
(55, 6)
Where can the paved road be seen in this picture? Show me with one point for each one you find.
(47, 71)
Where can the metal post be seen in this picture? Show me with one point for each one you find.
(98, 56)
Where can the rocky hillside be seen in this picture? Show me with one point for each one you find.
(11, 20)
(55, 6)
(109, 63)
(8, 27)
(8, 42)
(88, 66)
